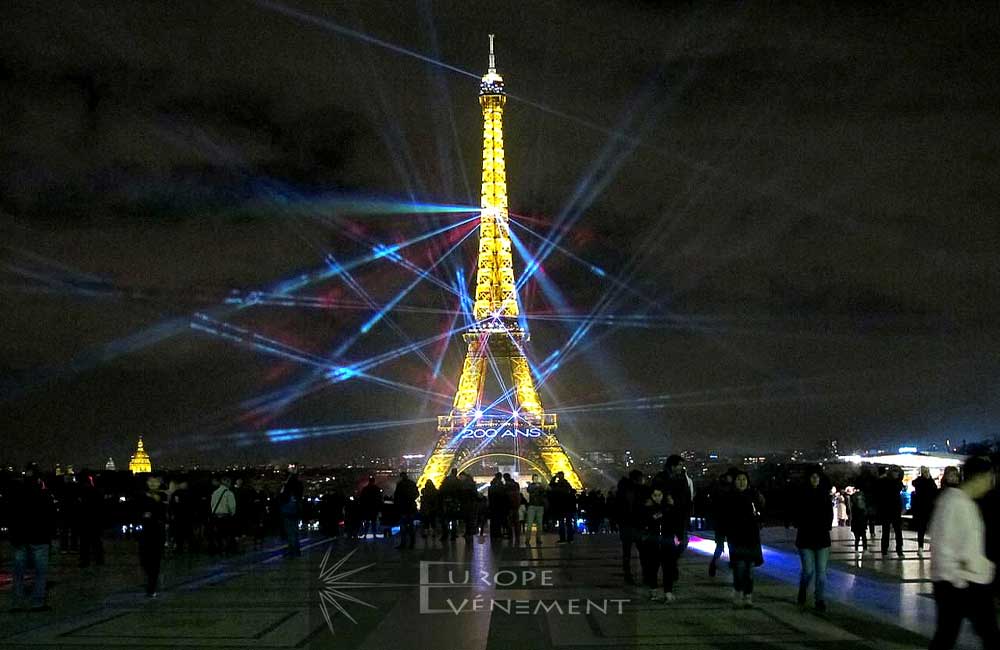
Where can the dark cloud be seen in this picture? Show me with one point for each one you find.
(813, 190)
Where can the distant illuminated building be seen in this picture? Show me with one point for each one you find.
(110, 465)
(139, 464)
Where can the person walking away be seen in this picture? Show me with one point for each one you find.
(890, 508)
(246, 515)
(470, 503)
(595, 514)
(925, 492)
(498, 504)
(370, 500)
(451, 505)
(961, 572)
(656, 545)
(32, 527)
(153, 518)
(290, 505)
(429, 508)
(562, 498)
(513, 491)
(871, 500)
(405, 499)
(91, 522)
(859, 520)
(331, 512)
(179, 514)
(223, 514)
(814, 519)
(535, 513)
(719, 496)
(629, 501)
(67, 499)
(741, 521)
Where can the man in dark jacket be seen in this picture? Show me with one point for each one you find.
(674, 483)
(719, 497)
(32, 527)
(890, 508)
(629, 500)
(536, 510)
(451, 505)
(562, 498)
(924, 494)
(91, 522)
(470, 504)
(513, 492)
(499, 504)
(290, 503)
(405, 500)
(370, 500)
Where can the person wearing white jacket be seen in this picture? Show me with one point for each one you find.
(960, 570)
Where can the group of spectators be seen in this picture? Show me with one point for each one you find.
(651, 514)
(952, 514)
(459, 507)
(165, 517)
(880, 503)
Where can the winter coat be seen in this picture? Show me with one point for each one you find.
(405, 497)
(656, 521)
(887, 493)
(814, 518)
(717, 504)
(859, 513)
(741, 521)
(924, 494)
(536, 495)
(32, 514)
(680, 491)
(429, 501)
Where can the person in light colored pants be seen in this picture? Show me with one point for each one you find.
(536, 510)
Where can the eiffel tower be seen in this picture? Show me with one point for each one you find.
(514, 426)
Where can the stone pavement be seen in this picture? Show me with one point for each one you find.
(549, 597)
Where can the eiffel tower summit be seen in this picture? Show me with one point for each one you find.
(511, 425)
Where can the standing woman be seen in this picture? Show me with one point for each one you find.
(153, 517)
(814, 518)
(841, 508)
(656, 545)
(859, 520)
(924, 494)
(742, 526)
(429, 505)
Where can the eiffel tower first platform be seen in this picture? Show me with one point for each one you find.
(513, 426)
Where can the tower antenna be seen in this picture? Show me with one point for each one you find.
(493, 62)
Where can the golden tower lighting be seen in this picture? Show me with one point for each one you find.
(526, 432)
(139, 463)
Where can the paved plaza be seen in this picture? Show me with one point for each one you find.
(551, 597)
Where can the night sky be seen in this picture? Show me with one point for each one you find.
(795, 210)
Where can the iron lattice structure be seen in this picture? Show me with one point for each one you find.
(496, 341)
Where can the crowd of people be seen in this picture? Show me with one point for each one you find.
(650, 514)
(223, 517)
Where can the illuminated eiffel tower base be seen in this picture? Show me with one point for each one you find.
(472, 432)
